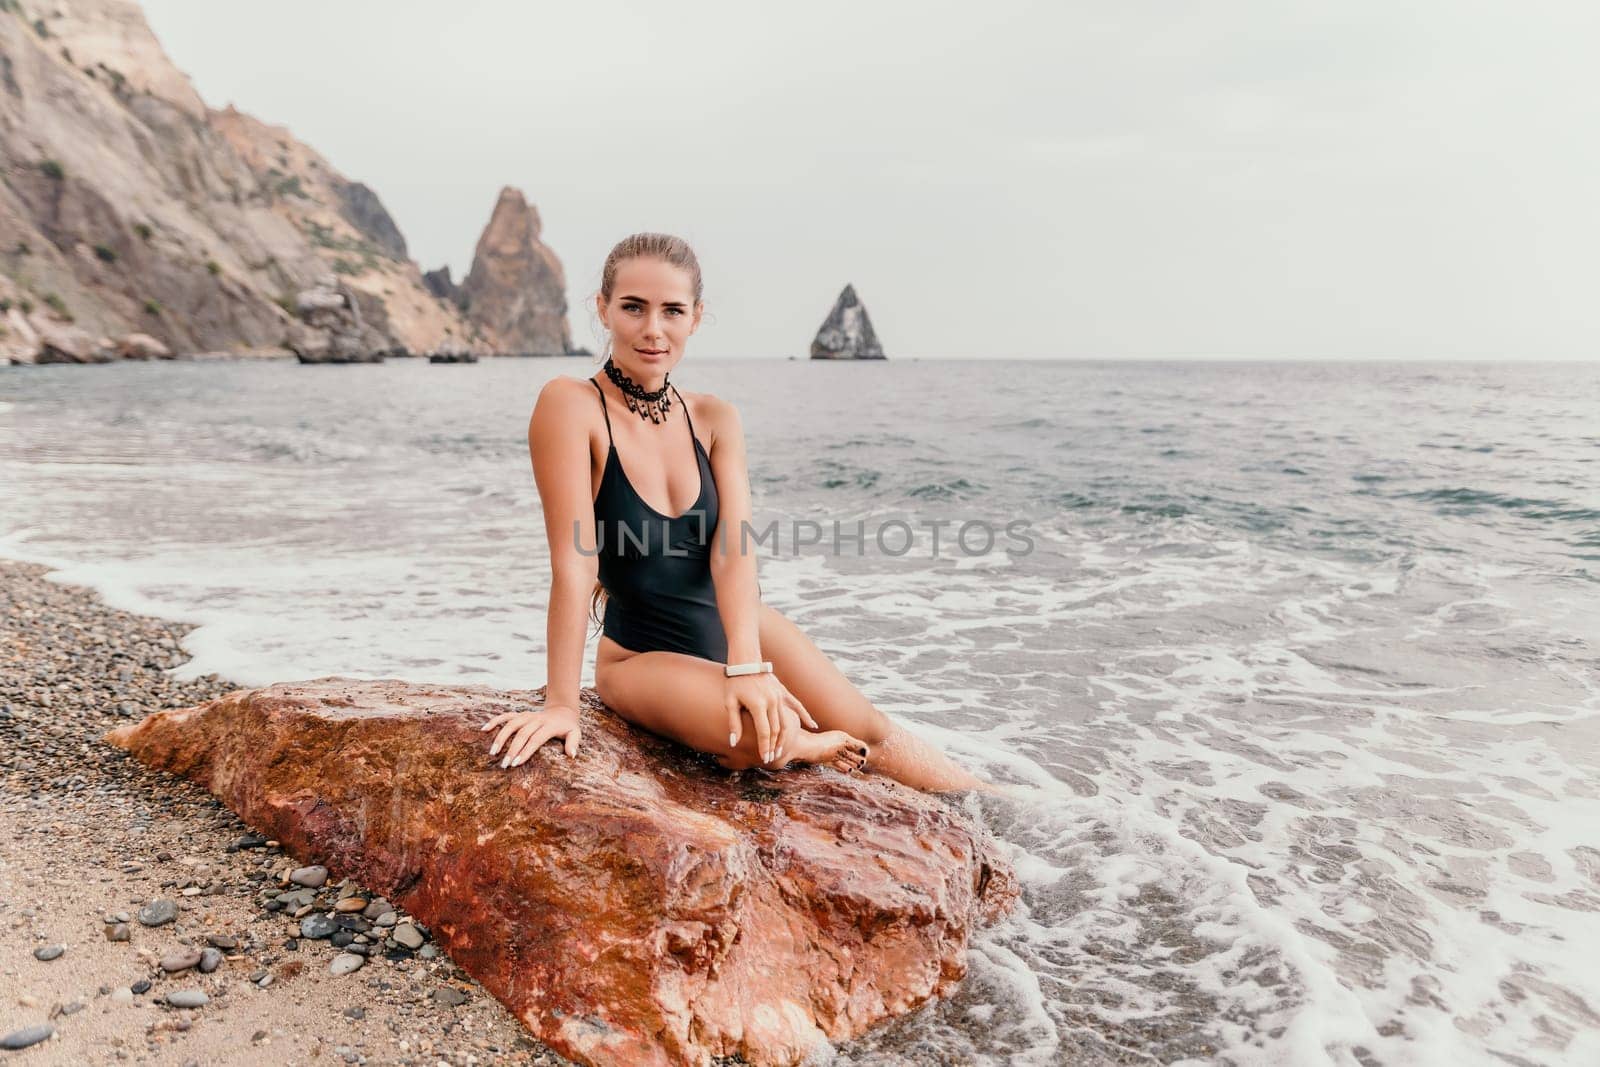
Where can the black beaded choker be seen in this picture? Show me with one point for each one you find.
(641, 401)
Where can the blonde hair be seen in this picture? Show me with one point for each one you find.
(668, 249)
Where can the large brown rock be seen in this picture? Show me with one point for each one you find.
(634, 905)
(516, 291)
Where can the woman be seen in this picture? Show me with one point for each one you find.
(688, 649)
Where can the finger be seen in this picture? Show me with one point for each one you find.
(497, 718)
(758, 719)
(572, 741)
(511, 727)
(732, 707)
(775, 724)
(526, 745)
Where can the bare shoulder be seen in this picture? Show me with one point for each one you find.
(713, 416)
(560, 399)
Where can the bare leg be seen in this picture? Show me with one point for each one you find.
(809, 674)
(680, 697)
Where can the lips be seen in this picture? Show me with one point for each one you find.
(651, 351)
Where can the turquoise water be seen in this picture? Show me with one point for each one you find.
(1297, 674)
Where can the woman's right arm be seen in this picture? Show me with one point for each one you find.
(558, 444)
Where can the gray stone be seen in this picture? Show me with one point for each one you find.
(346, 963)
(46, 953)
(158, 912)
(449, 996)
(317, 927)
(180, 959)
(28, 1035)
(119, 932)
(187, 998)
(210, 960)
(408, 935)
(313, 877)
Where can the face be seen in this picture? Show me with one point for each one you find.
(651, 314)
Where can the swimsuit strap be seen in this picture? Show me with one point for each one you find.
(605, 412)
(693, 440)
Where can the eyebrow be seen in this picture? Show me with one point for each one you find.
(664, 303)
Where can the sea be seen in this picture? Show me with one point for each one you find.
(1291, 669)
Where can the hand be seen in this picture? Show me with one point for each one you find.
(765, 698)
(528, 730)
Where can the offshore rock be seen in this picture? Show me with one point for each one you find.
(516, 291)
(847, 332)
(636, 904)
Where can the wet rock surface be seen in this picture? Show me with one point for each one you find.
(636, 904)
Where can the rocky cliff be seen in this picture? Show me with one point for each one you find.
(128, 206)
(847, 332)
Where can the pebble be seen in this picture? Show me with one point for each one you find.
(317, 927)
(141, 986)
(356, 1013)
(349, 904)
(428, 952)
(118, 917)
(187, 998)
(449, 996)
(28, 1035)
(388, 918)
(225, 942)
(119, 932)
(408, 935)
(210, 960)
(313, 877)
(122, 995)
(346, 963)
(46, 953)
(180, 960)
(377, 906)
(158, 912)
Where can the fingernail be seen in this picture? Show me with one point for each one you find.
(733, 739)
(505, 763)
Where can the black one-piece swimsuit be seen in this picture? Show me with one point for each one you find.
(655, 568)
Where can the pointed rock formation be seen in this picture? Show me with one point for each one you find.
(635, 904)
(516, 291)
(847, 332)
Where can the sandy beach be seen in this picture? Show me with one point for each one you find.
(89, 836)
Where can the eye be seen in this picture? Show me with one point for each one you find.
(676, 311)
(630, 307)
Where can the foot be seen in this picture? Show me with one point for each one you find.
(837, 749)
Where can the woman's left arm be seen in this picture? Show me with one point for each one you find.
(733, 572)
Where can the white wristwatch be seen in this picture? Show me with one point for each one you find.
(734, 670)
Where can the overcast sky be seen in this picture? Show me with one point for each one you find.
(1273, 179)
